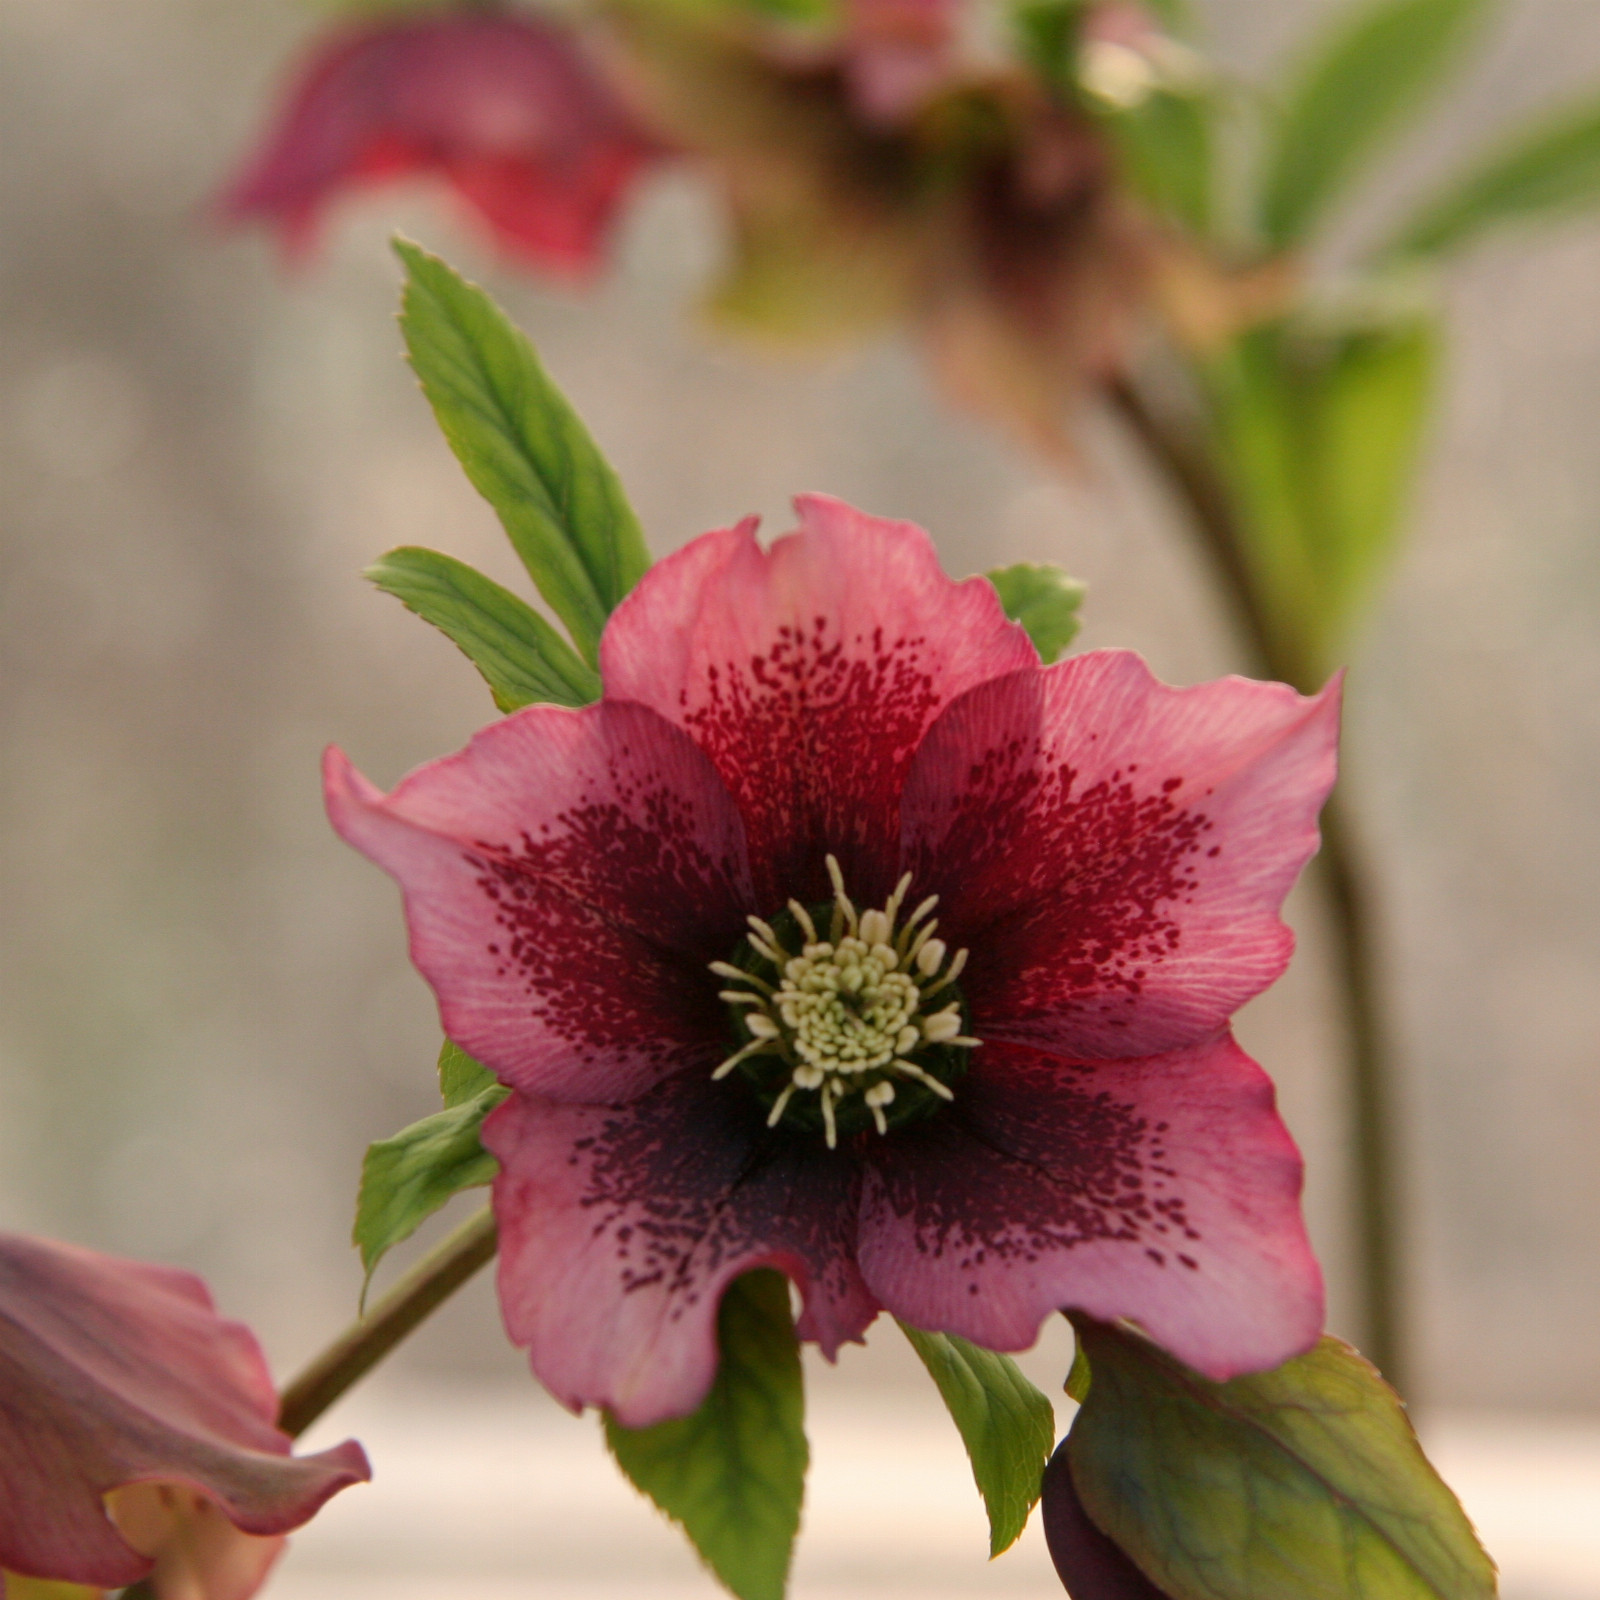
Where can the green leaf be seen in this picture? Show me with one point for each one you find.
(1304, 1481)
(523, 447)
(1357, 88)
(1320, 431)
(404, 1180)
(1165, 144)
(460, 1077)
(733, 1474)
(1007, 1425)
(1552, 169)
(522, 658)
(1044, 600)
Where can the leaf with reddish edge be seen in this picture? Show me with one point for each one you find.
(1090, 1565)
(1306, 1480)
(1005, 1423)
(733, 1473)
(114, 1372)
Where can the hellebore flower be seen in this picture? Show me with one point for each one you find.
(841, 936)
(503, 107)
(985, 210)
(136, 1431)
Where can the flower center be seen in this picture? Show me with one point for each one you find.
(861, 1027)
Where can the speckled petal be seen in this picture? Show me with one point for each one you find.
(1115, 852)
(620, 1227)
(567, 878)
(809, 674)
(1164, 1189)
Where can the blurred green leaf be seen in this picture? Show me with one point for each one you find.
(1371, 72)
(1046, 34)
(1305, 1481)
(523, 447)
(404, 1180)
(1006, 1424)
(522, 658)
(1165, 144)
(733, 1473)
(1044, 600)
(1320, 432)
(460, 1077)
(1552, 169)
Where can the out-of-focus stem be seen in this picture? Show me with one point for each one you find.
(369, 1339)
(1185, 465)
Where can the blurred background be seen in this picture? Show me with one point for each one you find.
(207, 1012)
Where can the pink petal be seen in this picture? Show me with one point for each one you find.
(1164, 1189)
(809, 674)
(621, 1226)
(1115, 852)
(505, 107)
(567, 878)
(114, 1372)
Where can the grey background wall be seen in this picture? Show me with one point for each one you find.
(206, 1008)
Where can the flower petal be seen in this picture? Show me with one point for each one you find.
(115, 1372)
(809, 674)
(505, 107)
(1164, 1189)
(567, 878)
(621, 1226)
(1115, 852)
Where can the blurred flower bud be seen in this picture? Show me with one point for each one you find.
(503, 107)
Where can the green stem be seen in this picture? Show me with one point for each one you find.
(370, 1338)
(1189, 472)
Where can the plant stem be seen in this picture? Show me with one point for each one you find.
(370, 1338)
(1189, 472)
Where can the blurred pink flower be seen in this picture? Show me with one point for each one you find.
(898, 52)
(503, 107)
(688, 926)
(136, 1431)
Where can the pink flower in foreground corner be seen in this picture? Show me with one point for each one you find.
(503, 107)
(136, 1432)
(842, 936)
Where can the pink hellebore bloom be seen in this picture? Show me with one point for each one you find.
(691, 926)
(503, 107)
(136, 1431)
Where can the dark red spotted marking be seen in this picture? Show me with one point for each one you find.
(1066, 893)
(609, 914)
(1033, 1158)
(814, 737)
(689, 1178)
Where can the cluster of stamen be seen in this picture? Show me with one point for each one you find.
(850, 1012)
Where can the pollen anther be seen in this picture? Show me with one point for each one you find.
(849, 1012)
